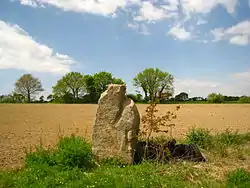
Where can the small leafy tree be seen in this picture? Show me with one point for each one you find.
(156, 149)
(153, 124)
(28, 86)
(215, 98)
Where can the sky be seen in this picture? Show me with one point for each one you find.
(205, 45)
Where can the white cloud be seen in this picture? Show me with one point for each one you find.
(172, 5)
(201, 6)
(148, 12)
(238, 34)
(196, 87)
(140, 28)
(106, 7)
(133, 26)
(101, 7)
(244, 76)
(240, 40)
(18, 50)
(240, 28)
(180, 33)
(201, 21)
(236, 84)
(177, 12)
(29, 3)
(218, 34)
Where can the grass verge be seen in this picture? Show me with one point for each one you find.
(71, 164)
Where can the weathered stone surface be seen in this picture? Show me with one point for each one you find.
(116, 126)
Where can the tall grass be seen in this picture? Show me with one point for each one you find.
(204, 139)
(72, 164)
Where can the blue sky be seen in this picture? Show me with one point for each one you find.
(204, 44)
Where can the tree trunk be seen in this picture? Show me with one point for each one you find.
(29, 100)
(74, 95)
(146, 94)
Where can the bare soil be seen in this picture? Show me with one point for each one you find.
(22, 127)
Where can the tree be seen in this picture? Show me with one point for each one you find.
(6, 99)
(231, 98)
(181, 97)
(215, 98)
(18, 98)
(28, 86)
(154, 83)
(244, 99)
(92, 95)
(102, 80)
(72, 84)
(197, 99)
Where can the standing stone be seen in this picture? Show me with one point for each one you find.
(116, 126)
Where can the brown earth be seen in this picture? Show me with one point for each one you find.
(22, 127)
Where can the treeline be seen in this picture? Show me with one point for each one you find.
(75, 87)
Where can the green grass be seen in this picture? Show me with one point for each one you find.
(204, 139)
(71, 164)
(238, 178)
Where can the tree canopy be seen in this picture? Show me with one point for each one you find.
(70, 85)
(76, 87)
(215, 98)
(103, 79)
(28, 87)
(181, 97)
(154, 83)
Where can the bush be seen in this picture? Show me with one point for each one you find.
(238, 178)
(70, 152)
(201, 137)
(215, 98)
(6, 180)
(244, 99)
(230, 137)
(40, 156)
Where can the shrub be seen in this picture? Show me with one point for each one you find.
(215, 98)
(6, 180)
(40, 156)
(74, 151)
(230, 137)
(153, 124)
(70, 152)
(244, 99)
(201, 137)
(238, 178)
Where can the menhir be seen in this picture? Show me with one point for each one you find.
(116, 126)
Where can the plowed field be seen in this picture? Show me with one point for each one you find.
(22, 127)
